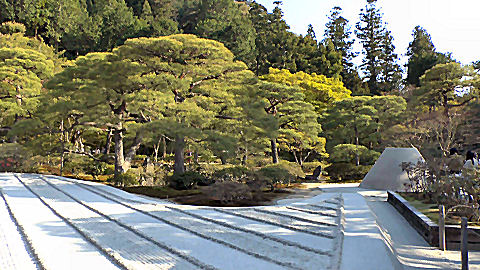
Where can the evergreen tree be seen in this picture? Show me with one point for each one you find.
(361, 120)
(24, 64)
(183, 86)
(319, 90)
(391, 75)
(275, 45)
(307, 53)
(222, 20)
(297, 120)
(422, 56)
(446, 86)
(380, 62)
(338, 31)
(330, 60)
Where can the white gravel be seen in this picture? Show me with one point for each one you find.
(75, 224)
(57, 244)
(13, 254)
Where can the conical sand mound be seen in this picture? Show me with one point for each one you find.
(387, 173)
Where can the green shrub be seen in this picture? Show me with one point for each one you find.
(94, 168)
(208, 170)
(130, 178)
(258, 161)
(31, 165)
(187, 180)
(282, 173)
(347, 153)
(11, 28)
(234, 174)
(347, 171)
(75, 164)
(309, 167)
(153, 176)
(109, 169)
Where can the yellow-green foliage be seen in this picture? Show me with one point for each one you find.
(25, 63)
(12, 28)
(318, 89)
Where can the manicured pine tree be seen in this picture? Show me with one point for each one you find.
(24, 64)
(440, 87)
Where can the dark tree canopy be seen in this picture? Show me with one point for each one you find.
(422, 56)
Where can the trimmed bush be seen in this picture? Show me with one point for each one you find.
(347, 171)
(282, 173)
(236, 174)
(94, 168)
(75, 164)
(258, 161)
(12, 156)
(110, 169)
(187, 180)
(130, 178)
(309, 167)
(347, 153)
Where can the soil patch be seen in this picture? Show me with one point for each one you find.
(197, 197)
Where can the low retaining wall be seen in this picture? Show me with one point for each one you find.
(429, 230)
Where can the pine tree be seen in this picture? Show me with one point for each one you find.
(275, 45)
(338, 31)
(422, 56)
(380, 62)
(440, 86)
(319, 90)
(330, 60)
(307, 53)
(146, 12)
(24, 64)
(222, 20)
(391, 71)
(182, 86)
(297, 120)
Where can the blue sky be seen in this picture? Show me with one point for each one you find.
(453, 25)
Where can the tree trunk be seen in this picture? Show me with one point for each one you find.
(273, 143)
(62, 161)
(245, 157)
(164, 143)
(357, 157)
(133, 150)
(445, 105)
(223, 160)
(119, 158)
(108, 143)
(195, 157)
(179, 166)
(295, 156)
